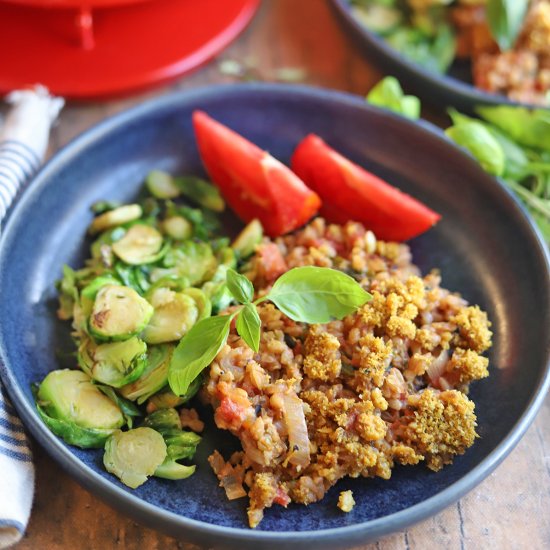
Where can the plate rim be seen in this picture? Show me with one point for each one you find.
(192, 529)
(446, 84)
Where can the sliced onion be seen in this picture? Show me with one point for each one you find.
(298, 438)
(226, 474)
(437, 367)
(250, 448)
(233, 487)
(216, 462)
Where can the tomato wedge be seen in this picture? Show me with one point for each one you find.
(350, 192)
(255, 184)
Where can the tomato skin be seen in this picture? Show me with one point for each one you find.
(350, 192)
(255, 184)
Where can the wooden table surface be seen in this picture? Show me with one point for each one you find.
(510, 509)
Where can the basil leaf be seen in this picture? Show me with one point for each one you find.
(517, 164)
(388, 94)
(529, 127)
(239, 286)
(196, 350)
(517, 161)
(317, 294)
(248, 326)
(474, 136)
(505, 19)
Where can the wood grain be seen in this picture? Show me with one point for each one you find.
(509, 510)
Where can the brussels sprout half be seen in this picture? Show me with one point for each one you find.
(163, 420)
(75, 410)
(118, 216)
(175, 313)
(68, 293)
(119, 313)
(201, 301)
(178, 228)
(193, 260)
(115, 364)
(134, 455)
(161, 185)
(153, 378)
(247, 240)
(170, 469)
(142, 244)
(202, 192)
(180, 444)
(166, 398)
(89, 292)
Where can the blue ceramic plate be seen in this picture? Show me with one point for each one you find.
(485, 246)
(452, 89)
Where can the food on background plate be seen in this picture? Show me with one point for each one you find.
(323, 350)
(507, 42)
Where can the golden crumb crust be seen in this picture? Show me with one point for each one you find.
(346, 502)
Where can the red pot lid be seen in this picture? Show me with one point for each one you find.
(84, 53)
(74, 3)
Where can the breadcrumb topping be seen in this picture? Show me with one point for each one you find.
(346, 501)
(322, 356)
(443, 425)
(473, 327)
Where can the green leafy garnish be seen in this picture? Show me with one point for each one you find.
(513, 143)
(434, 52)
(530, 127)
(474, 136)
(202, 192)
(388, 94)
(128, 409)
(239, 286)
(196, 350)
(505, 19)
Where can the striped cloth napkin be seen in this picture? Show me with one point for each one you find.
(16, 475)
(23, 141)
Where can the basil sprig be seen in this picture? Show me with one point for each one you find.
(304, 294)
(505, 19)
(388, 94)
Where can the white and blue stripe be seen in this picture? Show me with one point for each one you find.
(16, 475)
(17, 165)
